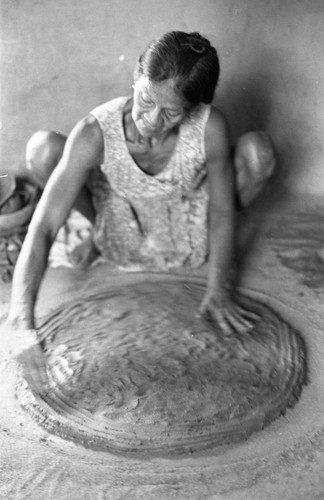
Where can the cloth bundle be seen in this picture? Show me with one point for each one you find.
(18, 199)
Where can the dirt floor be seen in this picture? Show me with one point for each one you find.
(283, 252)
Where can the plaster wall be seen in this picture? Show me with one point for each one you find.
(60, 59)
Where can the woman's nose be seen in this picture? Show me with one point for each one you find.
(154, 116)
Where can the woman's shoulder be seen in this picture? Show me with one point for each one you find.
(113, 105)
(217, 124)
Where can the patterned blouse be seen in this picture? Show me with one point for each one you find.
(151, 221)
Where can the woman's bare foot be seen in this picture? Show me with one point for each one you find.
(83, 254)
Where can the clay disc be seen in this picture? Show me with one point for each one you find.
(132, 368)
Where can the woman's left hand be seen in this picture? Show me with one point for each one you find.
(223, 310)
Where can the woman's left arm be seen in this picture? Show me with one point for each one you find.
(219, 301)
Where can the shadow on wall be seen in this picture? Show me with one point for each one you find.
(249, 100)
(266, 94)
(246, 97)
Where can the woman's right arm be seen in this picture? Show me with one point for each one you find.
(82, 152)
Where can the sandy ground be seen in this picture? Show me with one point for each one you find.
(284, 267)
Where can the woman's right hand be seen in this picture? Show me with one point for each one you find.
(27, 351)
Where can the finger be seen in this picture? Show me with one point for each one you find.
(220, 319)
(226, 328)
(239, 323)
(240, 318)
(244, 316)
(202, 309)
(245, 313)
(217, 319)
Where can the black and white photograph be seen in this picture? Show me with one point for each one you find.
(162, 250)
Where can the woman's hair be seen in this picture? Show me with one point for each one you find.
(187, 58)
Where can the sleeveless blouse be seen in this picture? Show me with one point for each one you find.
(151, 221)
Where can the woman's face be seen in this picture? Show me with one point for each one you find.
(156, 107)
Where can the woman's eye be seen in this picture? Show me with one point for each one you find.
(146, 99)
(172, 114)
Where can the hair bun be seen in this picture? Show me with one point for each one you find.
(197, 43)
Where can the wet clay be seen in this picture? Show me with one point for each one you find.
(133, 369)
(298, 240)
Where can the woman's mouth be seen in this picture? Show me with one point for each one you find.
(149, 127)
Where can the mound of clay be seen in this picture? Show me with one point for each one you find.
(133, 369)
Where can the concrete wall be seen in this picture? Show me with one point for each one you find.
(61, 58)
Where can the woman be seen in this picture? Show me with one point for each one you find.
(165, 194)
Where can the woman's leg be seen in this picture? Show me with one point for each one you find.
(43, 152)
(254, 162)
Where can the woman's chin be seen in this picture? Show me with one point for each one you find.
(147, 132)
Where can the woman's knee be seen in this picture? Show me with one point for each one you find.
(256, 151)
(43, 152)
(255, 162)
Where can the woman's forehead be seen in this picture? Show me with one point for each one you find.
(162, 92)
